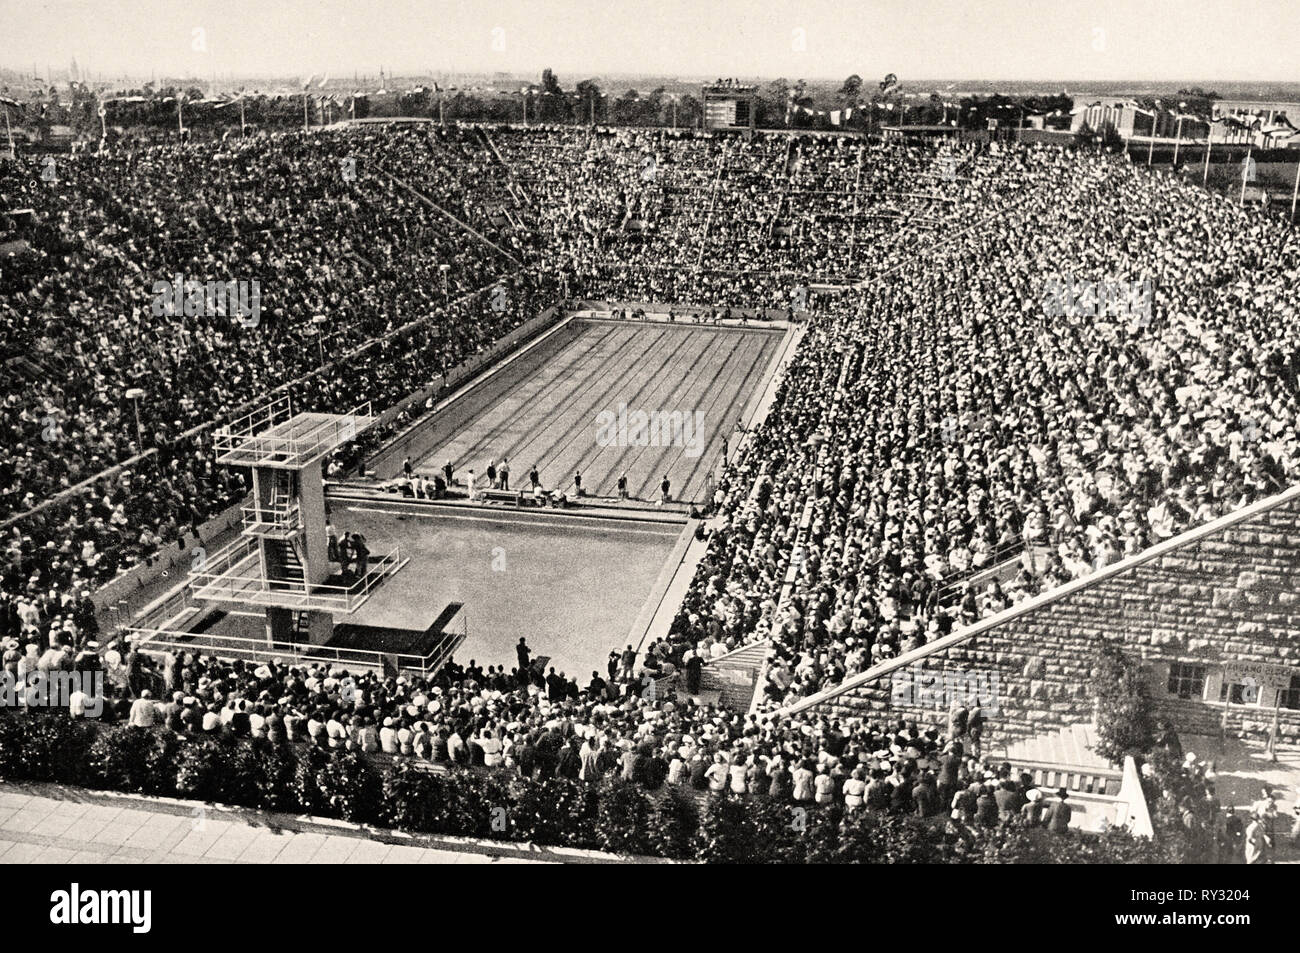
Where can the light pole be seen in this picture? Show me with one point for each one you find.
(134, 394)
(1295, 190)
(1209, 146)
(1151, 143)
(1245, 172)
(318, 322)
(1179, 137)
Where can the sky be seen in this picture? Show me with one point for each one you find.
(1069, 40)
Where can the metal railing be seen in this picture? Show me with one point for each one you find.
(274, 519)
(268, 415)
(293, 653)
(167, 611)
(235, 575)
(248, 439)
(1001, 557)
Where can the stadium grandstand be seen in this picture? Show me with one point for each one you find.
(988, 432)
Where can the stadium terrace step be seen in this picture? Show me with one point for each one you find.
(1065, 758)
(729, 680)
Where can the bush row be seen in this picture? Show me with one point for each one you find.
(614, 816)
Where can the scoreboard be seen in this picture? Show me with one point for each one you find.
(728, 106)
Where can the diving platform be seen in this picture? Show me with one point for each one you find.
(286, 562)
(274, 436)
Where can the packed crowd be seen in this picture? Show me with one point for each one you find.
(952, 444)
(542, 724)
(351, 269)
(943, 444)
(707, 220)
(537, 723)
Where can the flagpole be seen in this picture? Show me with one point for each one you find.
(1295, 190)
(1178, 139)
(1151, 143)
(1209, 145)
(1245, 169)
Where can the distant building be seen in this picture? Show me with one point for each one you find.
(1266, 125)
(1131, 120)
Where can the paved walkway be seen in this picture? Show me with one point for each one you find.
(50, 824)
(1243, 768)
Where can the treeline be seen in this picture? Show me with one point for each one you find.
(778, 104)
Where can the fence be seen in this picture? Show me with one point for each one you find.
(235, 575)
(300, 653)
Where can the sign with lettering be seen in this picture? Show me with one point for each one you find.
(1266, 675)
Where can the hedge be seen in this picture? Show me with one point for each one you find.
(615, 815)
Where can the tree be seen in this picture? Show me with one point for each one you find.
(552, 104)
(850, 91)
(1111, 140)
(1125, 712)
(673, 825)
(690, 112)
(589, 107)
(1198, 102)
(629, 108)
(799, 98)
(772, 108)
